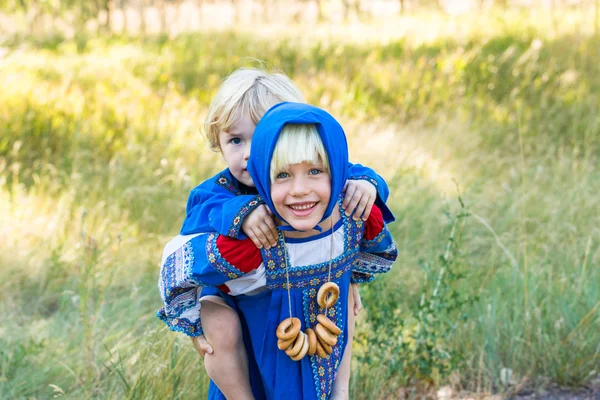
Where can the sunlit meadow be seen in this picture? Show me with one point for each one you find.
(489, 140)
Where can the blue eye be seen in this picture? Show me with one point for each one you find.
(315, 171)
(282, 175)
(235, 140)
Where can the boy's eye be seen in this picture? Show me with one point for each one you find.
(282, 175)
(235, 140)
(315, 171)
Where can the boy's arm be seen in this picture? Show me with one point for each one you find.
(228, 218)
(213, 208)
(378, 250)
(193, 261)
(360, 172)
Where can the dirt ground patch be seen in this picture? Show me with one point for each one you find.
(549, 392)
(585, 393)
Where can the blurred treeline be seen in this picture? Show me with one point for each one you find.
(168, 16)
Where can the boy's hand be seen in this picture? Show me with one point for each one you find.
(360, 197)
(202, 346)
(357, 301)
(260, 227)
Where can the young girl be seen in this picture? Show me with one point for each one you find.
(229, 204)
(299, 166)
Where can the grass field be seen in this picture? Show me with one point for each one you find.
(100, 145)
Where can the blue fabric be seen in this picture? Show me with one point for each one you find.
(279, 377)
(214, 205)
(282, 377)
(267, 133)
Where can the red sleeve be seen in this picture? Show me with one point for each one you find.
(242, 254)
(374, 224)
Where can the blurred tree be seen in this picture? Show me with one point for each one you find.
(319, 4)
(236, 13)
(13, 6)
(106, 6)
(141, 8)
(122, 6)
(199, 4)
(34, 11)
(266, 15)
(597, 19)
(29, 8)
(177, 4)
(422, 4)
(402, 6)
(162, 13)
(162, 8)
(351, 5)
(84, 11)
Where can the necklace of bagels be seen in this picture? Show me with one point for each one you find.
(320, 340)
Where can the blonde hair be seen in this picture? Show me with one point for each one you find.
(247, 90)
(298, 143)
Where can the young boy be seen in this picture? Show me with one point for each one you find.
(229, 204)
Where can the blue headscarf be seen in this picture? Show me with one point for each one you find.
(267, 133)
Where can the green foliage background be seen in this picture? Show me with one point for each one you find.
(99, 147)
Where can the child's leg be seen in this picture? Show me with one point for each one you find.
(341, 386)
(227, 366)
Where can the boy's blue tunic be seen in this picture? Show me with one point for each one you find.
(196, 263)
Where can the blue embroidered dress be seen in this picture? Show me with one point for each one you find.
(214, 260)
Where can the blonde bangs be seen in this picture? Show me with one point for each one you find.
(297, 144)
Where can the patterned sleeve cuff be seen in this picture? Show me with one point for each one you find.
(376, 241)
(364, 178)
(179, 288)
(360, 277)
(376, 263)
(189, 327)
(236, 224)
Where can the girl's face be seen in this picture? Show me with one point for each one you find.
(235, 146)
(300, 194)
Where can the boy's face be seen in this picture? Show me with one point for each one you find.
(300, 194)
(235, 146)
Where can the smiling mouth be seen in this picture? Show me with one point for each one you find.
(302, 209)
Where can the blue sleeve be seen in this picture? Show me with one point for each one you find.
(375, 256)
(213, 208)
(227, 220)
(358, 171)
(188, 264)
